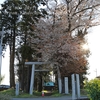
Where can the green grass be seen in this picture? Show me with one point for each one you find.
(5, 97)
(25, 95)
(36, 93)
(57, 95)
(6, 94)
(11, 92)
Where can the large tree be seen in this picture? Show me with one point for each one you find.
(17, 16)
(76, 14)
(10, 17)
(57, 47)
(58, 35)
(62, 35)
(30, 15)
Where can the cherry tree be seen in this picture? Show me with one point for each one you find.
(76, 13)
(58, 39)
(58, 47)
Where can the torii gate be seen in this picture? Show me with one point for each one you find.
(32, 73)
(73, 80)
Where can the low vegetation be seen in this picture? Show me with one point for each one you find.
(5, 97)
(93, 89)
(9, 93)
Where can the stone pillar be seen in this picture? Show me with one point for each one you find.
(0, 59)
(73, 87)
(17, 89)
(66, 85)
(32, 79)
(1, 39)
(78, 85)
(59, 81)
(60, 85)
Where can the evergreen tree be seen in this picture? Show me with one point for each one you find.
(10, 17)
(17, 16)
(30, 13)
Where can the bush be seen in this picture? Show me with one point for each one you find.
(5, 97)
(93, 89)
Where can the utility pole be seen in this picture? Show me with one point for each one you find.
(96, 72)
(1, 40)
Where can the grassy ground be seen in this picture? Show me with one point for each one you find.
(6, 94)
(11, 92)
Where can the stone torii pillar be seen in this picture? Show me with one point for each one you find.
(78, 85)
(66, 85)
(75, 86)
(32, 74)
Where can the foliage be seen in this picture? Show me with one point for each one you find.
(30, 13)
(83, 92)
(78, 14)
(1, 78)
(10, 17)
(93, 89)
(57, 46)
(16, 18)
(26, 52)
(62, 34)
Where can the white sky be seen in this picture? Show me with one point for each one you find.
(5, 64)
(94, 45)
(94, 59)
(5, 68)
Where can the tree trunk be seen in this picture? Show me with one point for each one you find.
(12, 55)
(12, 58)
(63, 85)
(12, 74)
(22, 81)
(40, 83)
(28, 78)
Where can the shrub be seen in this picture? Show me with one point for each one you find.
(93, 89)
